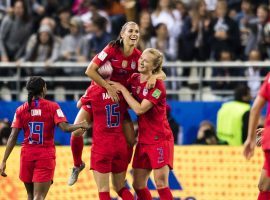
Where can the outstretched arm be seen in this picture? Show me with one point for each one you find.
(250, 143)
(139, 108)
(10, 145)
(64, 126)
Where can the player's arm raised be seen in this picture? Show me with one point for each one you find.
(10, 145)
(64, 126)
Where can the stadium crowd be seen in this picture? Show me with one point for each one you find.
(76, 30)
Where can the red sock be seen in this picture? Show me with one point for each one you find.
(165, 194)
(104, 196)
(143, 194)
(125, 194)
(264, 195)
(76, 148)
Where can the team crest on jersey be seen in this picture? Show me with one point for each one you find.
(138, 90)
(36, 112)
(124, 63)
(133, 65)
(102, 55)
(145, 91)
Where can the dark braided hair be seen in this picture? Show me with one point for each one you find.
(34, 87)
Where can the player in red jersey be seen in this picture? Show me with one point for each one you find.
(123, 55)
(262, 98)
(110, 152)
(154, 150)
(37, 118)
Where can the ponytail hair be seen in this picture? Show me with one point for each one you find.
(34, 87)
(118, 43)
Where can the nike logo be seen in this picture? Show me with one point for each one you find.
(114, 60)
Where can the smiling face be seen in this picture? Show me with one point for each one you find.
(130, 34)
(146, 63)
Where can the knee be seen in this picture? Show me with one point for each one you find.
(39, 197)
(161, 181)
(30, 196)
(137, 186)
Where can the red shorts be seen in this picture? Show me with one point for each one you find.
(116, 162)
(266, 164)
(154, 156)
(37, 171)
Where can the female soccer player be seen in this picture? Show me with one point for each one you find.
(250, 143)
(123, 55)
(110, 152)
(154, 150)
(37, 118)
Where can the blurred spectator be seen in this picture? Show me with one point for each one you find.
(224, 32)
(257, 36)
(70, 44)
(181, 7)
(80, 7)
(146, 30)
(165, 14)
(225, 73)
(14, 33)
(43, 47)
(233, 116)
(176, 129)
(194, 41)
(62, 26)
(207, 134)
(4, 131)
(100, 38)
(254, 74)
(242, 18)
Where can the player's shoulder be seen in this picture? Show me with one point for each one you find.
(49, 103)
(22, 108)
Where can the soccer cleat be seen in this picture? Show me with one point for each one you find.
(75, 173)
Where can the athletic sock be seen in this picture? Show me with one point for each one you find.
(125, 194)
(144, 194)
(76, 143)
(104, 196)
(165, 194)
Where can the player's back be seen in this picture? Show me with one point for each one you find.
(38, 123)
(108, 117)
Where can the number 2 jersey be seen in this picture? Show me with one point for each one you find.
(108, 118)
(38, 125)
(153, 125)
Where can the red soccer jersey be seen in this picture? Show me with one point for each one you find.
(153, 125)
(123, 67)
(108, 118)
(265, 93)
(38, 124)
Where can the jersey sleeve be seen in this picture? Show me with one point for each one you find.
(17, 121)
(58, 114)
(103, 56)
(155, 94)
(265, 88)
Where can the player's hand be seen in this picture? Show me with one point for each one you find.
(249, 147)
(2, 169)
(116, 85)
(151, 82)
(259, 135)
(84, 125)
(112, 91)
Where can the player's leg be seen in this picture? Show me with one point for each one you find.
(140, 178)
(118, 181)
(76, 142)
(102, 182)
(128, 130)
(41, 190)
(30, 190)
(161, 177)
(264, 182)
